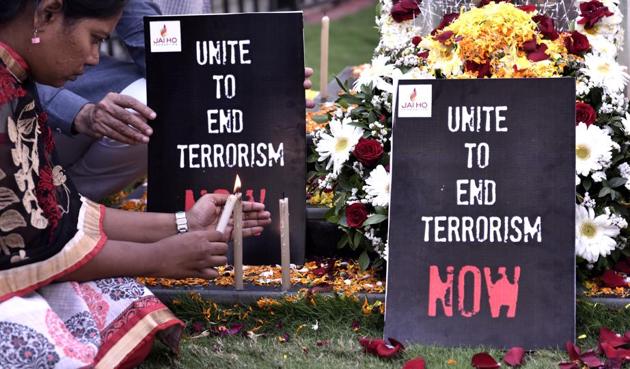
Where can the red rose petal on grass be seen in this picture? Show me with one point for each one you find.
(514, 356)
(616, 354)
(527, 8)
(569, 366)
(356, 325)
(417, 363)
(370, 344)
(484, 360)
(573, 351)
(591, 360)
(380, 348)
(611, 338)
(390, 350)
(623, 266)
(613, 280)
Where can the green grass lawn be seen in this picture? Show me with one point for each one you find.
(334, 344)
(352, 41)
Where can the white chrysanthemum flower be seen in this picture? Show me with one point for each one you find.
(594, 236)
(377, 186)
(605, 72)
(337, 145)
(593, 149)
(376, 74)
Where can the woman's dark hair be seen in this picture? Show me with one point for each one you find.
(72, 9)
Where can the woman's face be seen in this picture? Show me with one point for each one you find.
(66, 47)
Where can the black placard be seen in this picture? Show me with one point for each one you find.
(448, 285)
(229, 96)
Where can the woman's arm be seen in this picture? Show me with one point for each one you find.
(123, 225)
(189, 255)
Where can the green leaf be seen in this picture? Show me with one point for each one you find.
(375, 219)
(587, 183)
(358, 237)
(616, 182)
(343, 241)
(321, 118)
(604, 191)
(381, 210)
(364, 260)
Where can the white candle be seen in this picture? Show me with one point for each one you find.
(323, 66)
(227, 213)
(228, 208)
(237, 236)
(285, 244)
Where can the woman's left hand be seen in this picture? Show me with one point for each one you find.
(207, 210)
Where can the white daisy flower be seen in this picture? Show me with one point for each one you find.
(337, 145)
(376, 74)
(377, 186)
(593, 149)
(605, 72)
(603, 46)
(594, 236)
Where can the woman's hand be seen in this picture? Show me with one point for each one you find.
(207, 210)
(191, 255)
(110, 118)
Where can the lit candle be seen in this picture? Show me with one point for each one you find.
(229, 206)
(237, 237)
(285, 244)
(323, 66)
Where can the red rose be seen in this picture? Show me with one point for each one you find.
(482, 70)
(446, 21)
(592, 12)
(416, 40)
(584, 113)
(528, 8)
(424, 54)
(356, 214)
(368, 152)
(405, 10)
(546, 26)
(577, 43)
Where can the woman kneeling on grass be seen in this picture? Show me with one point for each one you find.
(67, 299)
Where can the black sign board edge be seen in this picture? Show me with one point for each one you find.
(296, 257)
(397, 84)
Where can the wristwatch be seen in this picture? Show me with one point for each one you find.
(181, 222)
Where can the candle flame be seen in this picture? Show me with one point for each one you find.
(237, 184)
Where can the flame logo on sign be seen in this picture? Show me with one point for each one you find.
(163, 31)
(413, 95)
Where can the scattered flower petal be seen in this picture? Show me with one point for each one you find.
(484, 360)
(417, 363)
(514, 356)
